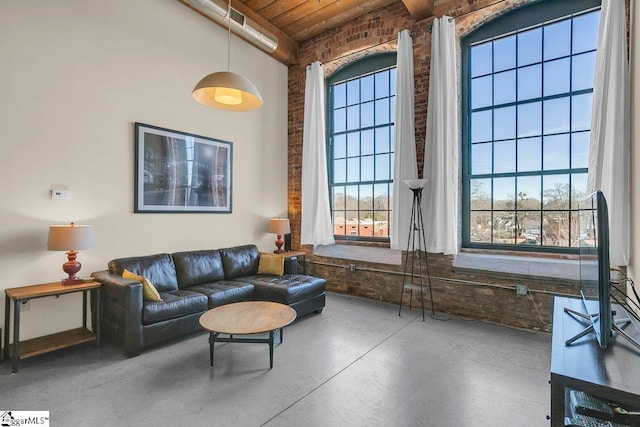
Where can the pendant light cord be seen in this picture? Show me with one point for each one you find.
(229, 38)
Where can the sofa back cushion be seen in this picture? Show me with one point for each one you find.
(240, 261)
(198, 267)
(159, 269)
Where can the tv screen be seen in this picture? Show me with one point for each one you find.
(593, 221)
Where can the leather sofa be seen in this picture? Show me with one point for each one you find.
(190, 283)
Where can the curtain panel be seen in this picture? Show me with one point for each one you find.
(316, 226)
(609, 151)
(440, 201)
(405, 162)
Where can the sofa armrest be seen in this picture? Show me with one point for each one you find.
(121, 311)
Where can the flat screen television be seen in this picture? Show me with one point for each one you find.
(593, 222)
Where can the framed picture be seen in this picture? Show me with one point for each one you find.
(180, 172)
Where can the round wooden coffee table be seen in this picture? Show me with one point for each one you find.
(247, 318)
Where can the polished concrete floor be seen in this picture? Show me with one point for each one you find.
(356, 364)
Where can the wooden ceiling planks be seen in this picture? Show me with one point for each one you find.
(294, 21)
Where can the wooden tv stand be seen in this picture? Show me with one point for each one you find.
(612, 374)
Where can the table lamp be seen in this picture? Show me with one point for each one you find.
(71, 238)
(279, 226)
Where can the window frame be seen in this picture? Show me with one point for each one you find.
(368, 65)
(520, 19)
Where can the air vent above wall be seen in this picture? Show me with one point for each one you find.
(237, 16)
(240, 24)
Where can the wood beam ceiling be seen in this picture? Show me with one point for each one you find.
(419, 9)
(294, 21)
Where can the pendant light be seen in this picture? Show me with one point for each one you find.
(226, 90)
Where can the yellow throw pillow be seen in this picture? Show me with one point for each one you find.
(271, 264)
(149, 292)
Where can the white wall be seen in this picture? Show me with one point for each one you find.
(634, 53)
(75, 76)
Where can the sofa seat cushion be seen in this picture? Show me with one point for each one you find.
(224, 292)
(175, 304)
(287, 289)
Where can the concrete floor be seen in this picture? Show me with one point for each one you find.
(356, 364)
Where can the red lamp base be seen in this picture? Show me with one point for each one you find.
(71, 267)
(279, 243)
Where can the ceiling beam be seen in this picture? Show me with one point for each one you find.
(287, 50)
(419, 9)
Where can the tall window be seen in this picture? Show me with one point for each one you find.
(360, 148)
(527, 97)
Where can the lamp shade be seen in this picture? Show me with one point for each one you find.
(279, 226)
(71, 237)
(227, 91)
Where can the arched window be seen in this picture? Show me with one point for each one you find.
(527, 89)
(360, 121)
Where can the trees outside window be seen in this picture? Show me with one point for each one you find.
(527, 89)
(361, 104)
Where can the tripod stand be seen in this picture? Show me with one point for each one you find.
(417, 244)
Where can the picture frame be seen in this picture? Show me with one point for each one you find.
(179, 172)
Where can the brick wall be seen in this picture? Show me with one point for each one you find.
(489, 297)
(473, 295)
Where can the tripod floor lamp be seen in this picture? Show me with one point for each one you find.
(416, 263)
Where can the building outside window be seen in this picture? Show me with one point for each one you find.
(361, 104)
(527, 91)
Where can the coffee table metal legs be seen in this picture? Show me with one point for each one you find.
(212, 339)
(271, 349)
(215, 337)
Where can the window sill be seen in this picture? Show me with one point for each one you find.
(546, 267)
(360, 253)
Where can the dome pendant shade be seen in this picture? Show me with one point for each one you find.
(227, 91)
(228, 96)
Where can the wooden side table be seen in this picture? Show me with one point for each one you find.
(41, 345)
(297, 256)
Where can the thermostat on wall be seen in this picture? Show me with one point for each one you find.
(60, 192)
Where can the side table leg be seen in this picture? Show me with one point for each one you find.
(84, 309)
(7, 325)
(98, 319)
(16, 336)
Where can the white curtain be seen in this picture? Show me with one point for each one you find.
(440, 200)
(609, 149)
(405, 163)
(316, 226)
